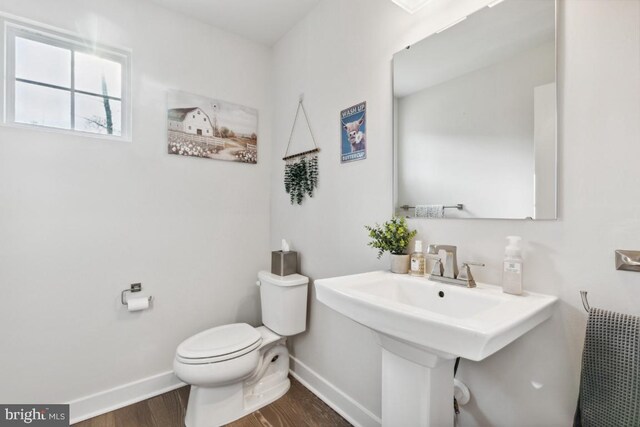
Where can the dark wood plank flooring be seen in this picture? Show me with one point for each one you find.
(298, 408)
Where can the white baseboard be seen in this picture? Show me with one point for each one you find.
(121, 396)
(339, 401)
(118, 397)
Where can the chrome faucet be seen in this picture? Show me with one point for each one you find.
(449, 273)
(450, 259)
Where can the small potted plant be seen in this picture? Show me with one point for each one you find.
(393, 236)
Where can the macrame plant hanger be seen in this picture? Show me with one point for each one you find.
(301, 169)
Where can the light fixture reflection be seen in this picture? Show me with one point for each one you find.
(411, 6)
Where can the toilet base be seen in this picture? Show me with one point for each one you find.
(216, 406)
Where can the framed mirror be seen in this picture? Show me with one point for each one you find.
(475, 117)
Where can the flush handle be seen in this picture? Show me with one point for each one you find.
(627, 260)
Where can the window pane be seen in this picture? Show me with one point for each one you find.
(40, 105)
(42, 62)
(91, 115)
(90, 71)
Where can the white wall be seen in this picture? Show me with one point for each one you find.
(82, 218)
(341, 54)
(463, 141)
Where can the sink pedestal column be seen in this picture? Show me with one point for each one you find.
(417, 387)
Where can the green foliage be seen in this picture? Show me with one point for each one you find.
(393, 236)
(301, 178)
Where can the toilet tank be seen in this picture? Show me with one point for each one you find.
(284, 302)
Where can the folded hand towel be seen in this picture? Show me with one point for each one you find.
(610, 378)
(429, 211)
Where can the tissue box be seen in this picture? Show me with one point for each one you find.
(284, 263)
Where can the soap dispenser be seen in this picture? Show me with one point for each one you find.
(417, 260)
(512, 267)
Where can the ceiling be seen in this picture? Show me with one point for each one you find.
(263, 21)
(487, 37)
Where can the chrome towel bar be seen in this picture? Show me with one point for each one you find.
(459, 207)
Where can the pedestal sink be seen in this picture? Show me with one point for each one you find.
(422, 327)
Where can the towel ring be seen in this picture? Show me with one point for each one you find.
(585, 301)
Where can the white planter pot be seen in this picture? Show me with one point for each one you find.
(399, 264)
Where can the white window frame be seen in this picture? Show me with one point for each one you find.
(17, 27)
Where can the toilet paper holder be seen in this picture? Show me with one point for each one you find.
(135, 287)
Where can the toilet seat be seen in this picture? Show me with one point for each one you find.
(219, 344)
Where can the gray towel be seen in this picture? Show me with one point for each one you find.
(610, 378)
(429, 211)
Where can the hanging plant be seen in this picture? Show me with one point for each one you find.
(301, 178)
(301, 170)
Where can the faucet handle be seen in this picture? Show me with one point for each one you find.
(465, 273)
(468, 263)
(438, 268)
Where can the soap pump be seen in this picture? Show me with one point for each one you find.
(512, 267)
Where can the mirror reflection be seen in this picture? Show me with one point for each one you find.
(475, 117)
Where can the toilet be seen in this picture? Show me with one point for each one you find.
(236, 369)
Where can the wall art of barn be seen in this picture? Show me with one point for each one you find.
(198, 126)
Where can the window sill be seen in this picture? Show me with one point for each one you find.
(80, 134)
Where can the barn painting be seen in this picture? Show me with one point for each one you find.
(198, 126)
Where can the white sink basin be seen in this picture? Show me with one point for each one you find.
(470, 323)
(422, 327)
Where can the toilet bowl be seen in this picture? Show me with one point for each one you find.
(236, 369)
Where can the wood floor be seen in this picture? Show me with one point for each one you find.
(298, 408)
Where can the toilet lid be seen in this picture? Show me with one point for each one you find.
(220, 343)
